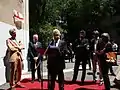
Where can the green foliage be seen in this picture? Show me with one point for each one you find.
(77, 13)
(89, 11)
(43, 16)
(45, 33)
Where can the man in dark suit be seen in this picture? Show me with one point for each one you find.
(81, 55)
(35, 57)
(56, 63)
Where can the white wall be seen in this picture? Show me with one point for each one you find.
(22, 35)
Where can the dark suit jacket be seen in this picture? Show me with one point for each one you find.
(32, 52)
(56, 56)
(92, 44)
(80, 49)
(102, 45)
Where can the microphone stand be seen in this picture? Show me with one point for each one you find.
(42, 65)
(43, 55)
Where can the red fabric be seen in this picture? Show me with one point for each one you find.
(88, 85)
(42, 50)
(17, 16)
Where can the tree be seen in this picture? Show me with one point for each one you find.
(116, 16)
(74, 14)
(43, 17)
(89, 14)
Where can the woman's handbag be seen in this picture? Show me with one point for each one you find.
(111, 58)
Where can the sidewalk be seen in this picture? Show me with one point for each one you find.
(6, 86)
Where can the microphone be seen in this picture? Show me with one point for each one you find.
(48, 47)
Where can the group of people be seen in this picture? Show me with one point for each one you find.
(84, 49)
(13, 59)
(97, 49)
(100, 49)
(55, 61)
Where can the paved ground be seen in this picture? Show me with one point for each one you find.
(68, 74)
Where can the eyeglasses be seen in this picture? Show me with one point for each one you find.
(14, 33)
(56, 34)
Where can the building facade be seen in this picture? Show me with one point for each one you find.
(6, 23)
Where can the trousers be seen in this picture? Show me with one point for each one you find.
(33, 69)
(52, 78)
(76, 68)
(95, 60)
(15, 71)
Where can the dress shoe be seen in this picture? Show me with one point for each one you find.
(32, 81)
(19, 85)
(101, 82)
(116, 81)
(94, 78)
(61, 87)
(39, 80)
(82, 82)
(13, 86)
(73, 80)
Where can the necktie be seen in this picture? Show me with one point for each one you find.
(55, 43)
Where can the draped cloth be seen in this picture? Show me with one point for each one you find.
(111, 58)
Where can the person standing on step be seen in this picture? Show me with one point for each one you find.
(81, 55)
(115, 50)
(93, 48)
(35, 57)
(56, 63)
(104, 46)
(15, 59)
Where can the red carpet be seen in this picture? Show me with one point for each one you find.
(88, 85)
